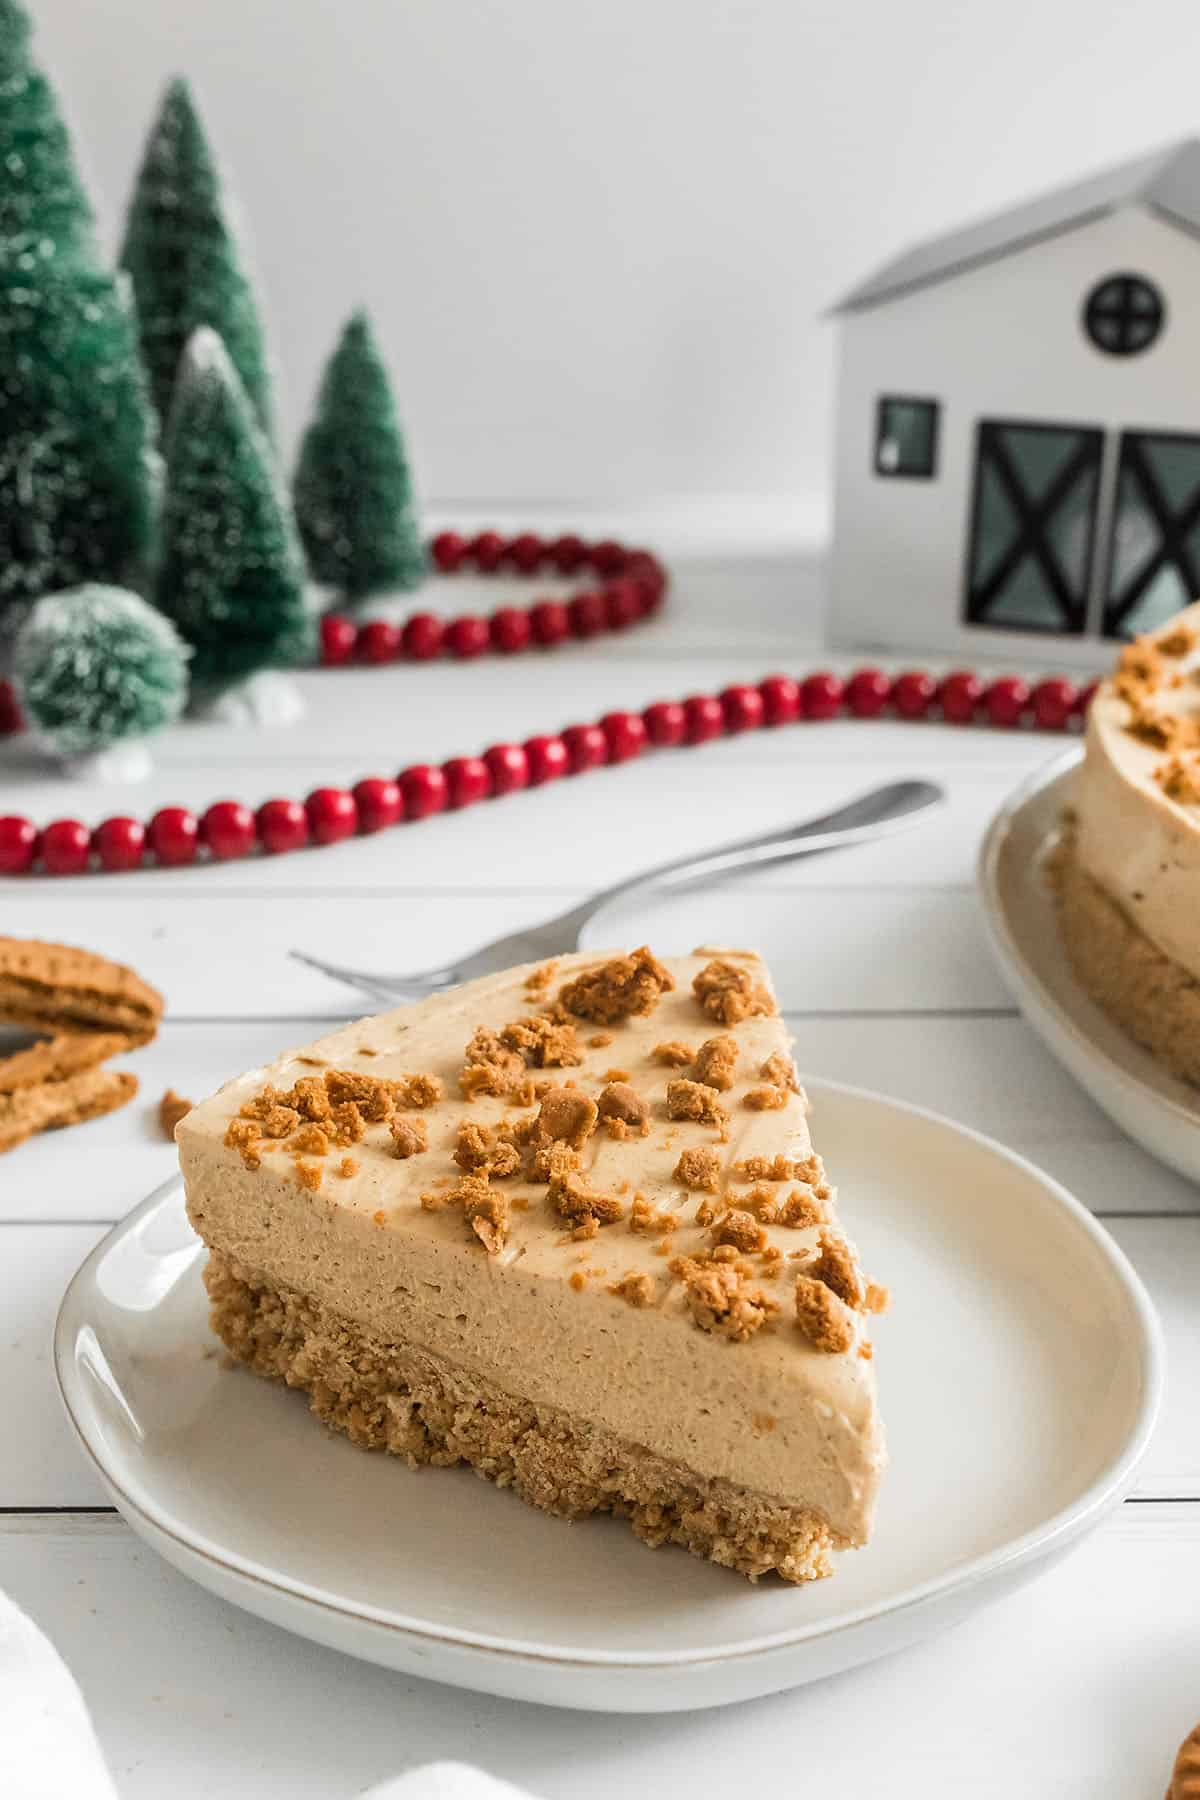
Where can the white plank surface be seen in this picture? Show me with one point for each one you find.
(1076, 1688)
(883, 966)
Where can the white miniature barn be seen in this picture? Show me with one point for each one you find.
(1018, 438)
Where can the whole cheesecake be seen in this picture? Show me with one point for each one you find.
(1128, 875)
(566, 1225)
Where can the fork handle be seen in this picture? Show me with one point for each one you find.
(871, 815)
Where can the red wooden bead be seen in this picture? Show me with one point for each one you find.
(282, 826)
(64, 847)
(11, 717)
(666, 723)
(625, 735)
(510, 629)
(18, 844)
(379, 801)
(120, 843)
(526, 552)
(867, 693)
(588, 613)
(607, 557)
(742, 706)
(448, 550)
(339, 636)
(228, 830)
(1006, 699)
(508, 766)
(467, 636)
(332, 814)
(822, 695)
(468, 779)
(650, 576)
(781, 699)
(567, 552)
(487, 549)
(424, 789)
(587, 747)
(174, 834)
(622, 604)
(379, 641)
(422, 637)
(1053, 703)
(1084, 698)
(547, 758)
(550, 620)
(913, 693)
(960, 695)
(705, 718)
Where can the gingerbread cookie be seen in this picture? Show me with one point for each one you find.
(58, 1103)
(54, 988)
(57, 1058)
(1185, 1779)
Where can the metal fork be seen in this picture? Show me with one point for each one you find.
(878, 813)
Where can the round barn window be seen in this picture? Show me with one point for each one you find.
(1124, 314)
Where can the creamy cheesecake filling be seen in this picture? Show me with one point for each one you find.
(543, 1319)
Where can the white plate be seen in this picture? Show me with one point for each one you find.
(1154, 1107)
(1020, 1372)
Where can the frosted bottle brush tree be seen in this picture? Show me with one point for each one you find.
(230, 574)
(44, 214)
(182, 256)
(353, 490)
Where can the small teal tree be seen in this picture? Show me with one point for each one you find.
(181, 254)
(353, 490)
(78, 467)
(231, 574)
(44, 213)
(96, 667)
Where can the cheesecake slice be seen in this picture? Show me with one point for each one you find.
(564, 1224)
(1127, 872)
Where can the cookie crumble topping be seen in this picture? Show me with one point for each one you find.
(626, 987)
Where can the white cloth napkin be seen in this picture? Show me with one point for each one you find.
(48, 1750)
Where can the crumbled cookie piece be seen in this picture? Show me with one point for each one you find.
(490, 1066)
(673, 1054)
(780, 1071)
(626, 987)
(742, 1230)
(1139, 670)
(1177, 642)
(698, 1169)
(648, 1220)
(600, 1040)
(693, 1100)
(409, 1137)
(481, 1152)
(543, 1042)
(877, 1299)
(821, 1316)
(637, 1289)
(346, 1125)
(539, 979)
(310, 1140)
(310, 1096)
(836, 1267)
(244, 1136)
(566, 1116)
(729, 994)
(800, 1211)
(487, 1212)
(775, 1168)
(766, 1099)
(171, 1108)
(417, 1091)
(716, 1060)
(721, 1299)
(623, 1111)
(310, 1176)
(572, 1197)
(347, 1167)
(375, 1099)
(553, 1159)
(1179, 779)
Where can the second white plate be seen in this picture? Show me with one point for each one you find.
(1158, 1111)
(1020, 1374)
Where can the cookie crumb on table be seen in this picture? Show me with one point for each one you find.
(171, 1108)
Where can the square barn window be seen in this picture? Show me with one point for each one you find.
(906, 434)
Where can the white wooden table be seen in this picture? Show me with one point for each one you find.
(1081, 1685)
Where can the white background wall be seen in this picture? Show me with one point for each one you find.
(597, 238)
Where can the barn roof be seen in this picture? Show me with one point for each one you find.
(1166, 182)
